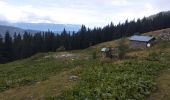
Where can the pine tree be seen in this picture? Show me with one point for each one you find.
(1, 49)
(17, 46)
(8, 47)
(26, 49)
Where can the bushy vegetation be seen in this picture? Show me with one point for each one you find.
(130, 80)
(94, 55)
(122, 48)
(162, 44)
(154, 56)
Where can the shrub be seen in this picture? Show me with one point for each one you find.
(122, 49)
(94, 55)
(162, 44)
(131, 80)
(153, 56)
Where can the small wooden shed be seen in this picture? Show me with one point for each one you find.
(140, 41)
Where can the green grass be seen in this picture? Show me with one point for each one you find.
(32, 70)
(130, 80)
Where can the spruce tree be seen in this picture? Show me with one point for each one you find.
(8, 47)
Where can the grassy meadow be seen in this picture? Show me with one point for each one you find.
(45, 76)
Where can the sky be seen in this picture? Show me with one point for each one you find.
(88, 12)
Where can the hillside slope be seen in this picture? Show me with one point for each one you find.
(48, 75)
(167, 13)
(114, 43)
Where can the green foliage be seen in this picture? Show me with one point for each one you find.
(101, 80)
(131, 80)
(122, 49)
(32, 70)
(94, 55)
(162, 44)
(154, 56)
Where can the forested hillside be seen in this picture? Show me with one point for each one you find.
(18, 46)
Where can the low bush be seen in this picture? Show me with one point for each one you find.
(94, 55)
(131, 80)
(154, 56)
(122, 49)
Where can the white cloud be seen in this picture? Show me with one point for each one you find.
(150, 9)
(29, 13)
(10, 13)
(119, 2)
(148, 6)
(89, 12)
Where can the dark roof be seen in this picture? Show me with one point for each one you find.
(141, 38)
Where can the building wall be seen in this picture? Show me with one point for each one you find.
(138, 45)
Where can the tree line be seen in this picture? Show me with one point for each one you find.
(22, 46)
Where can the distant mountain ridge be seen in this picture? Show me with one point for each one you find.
(47, 26)
(12, 30)
(43, 26)
(35, 27)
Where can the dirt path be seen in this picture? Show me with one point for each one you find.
(51, 87)
(163, 91)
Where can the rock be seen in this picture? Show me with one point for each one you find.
(74, 78)
(164, 36)
(46, 57)
(68, 56)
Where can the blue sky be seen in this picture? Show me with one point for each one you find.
(89, 12)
